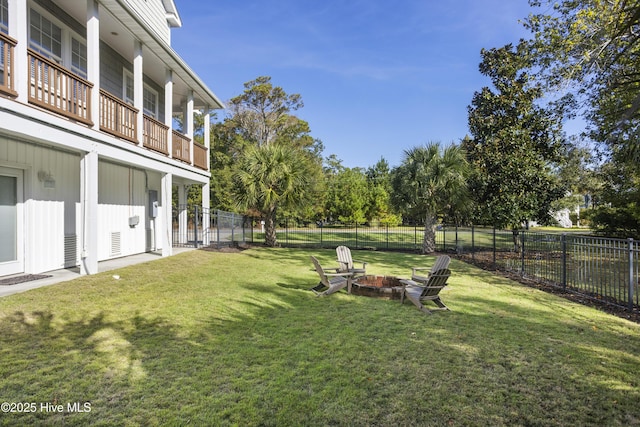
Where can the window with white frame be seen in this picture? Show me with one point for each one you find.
(52, 39)
(78, 57)
(149, 96)
(4, 16)
(45, 37)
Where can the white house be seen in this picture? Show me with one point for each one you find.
(89, 157)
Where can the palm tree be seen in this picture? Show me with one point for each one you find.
(272, 176)
(429, 182)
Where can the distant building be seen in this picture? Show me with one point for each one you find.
(89, 157)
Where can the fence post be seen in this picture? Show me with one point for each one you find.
(356, 234)
(415, 236)
(387, 235)
(195, 227)
(564, 260)
(218, 227)
(631, 284)
(321, 228)
(494, 248)
(473, 243)
(233, 228)
(244, 236)
(444, 238)
(522, 268)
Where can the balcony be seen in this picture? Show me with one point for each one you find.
(7, 45)
(60, 91)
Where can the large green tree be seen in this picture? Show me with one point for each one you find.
(588, 51)
(514, 145)
(347, 195)
(274, 163)
(379, 208)
(430, 181)
(271, 177)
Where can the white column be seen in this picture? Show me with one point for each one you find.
(18, 24)
(168, 109)
(182, 215)
(93, 59)
(207, 135)
(138, 83)
(89, 212)
(188, 122)
(167, 214)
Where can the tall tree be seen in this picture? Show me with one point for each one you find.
(271, 151)
(262, 113)
(429, 182)
(379, 182)
(271, 177)
(589, 50)
(514, 146)
(347, 195)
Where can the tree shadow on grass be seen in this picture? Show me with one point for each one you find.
(277, 356)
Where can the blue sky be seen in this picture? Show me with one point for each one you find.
(376, 77)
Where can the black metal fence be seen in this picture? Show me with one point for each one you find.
(196, 227)
(600, 268)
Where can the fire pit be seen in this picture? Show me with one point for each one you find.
(386, 287)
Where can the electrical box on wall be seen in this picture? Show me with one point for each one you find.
(153, 203)
(134, 220)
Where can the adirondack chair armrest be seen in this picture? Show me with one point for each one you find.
(364, 264)
(414, 269)
(405, 283)
(339, 273)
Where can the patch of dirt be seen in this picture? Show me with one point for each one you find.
(237, 248)
(591, 301)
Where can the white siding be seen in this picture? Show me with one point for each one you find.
(121, 196)
(52, 197)
(153, 14)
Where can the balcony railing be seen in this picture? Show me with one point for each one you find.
(59, 90)
(117, 117)
(6, 65)
(200, 156)
(155, 135)
(181, 146)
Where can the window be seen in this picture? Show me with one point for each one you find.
(78, 57)
(45, 37)
(4, 16)
(50, 38)
(150, 102)
(149, 96)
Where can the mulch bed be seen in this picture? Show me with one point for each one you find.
(594, 302)
(22, 279)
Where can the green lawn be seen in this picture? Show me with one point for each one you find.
(207, 338)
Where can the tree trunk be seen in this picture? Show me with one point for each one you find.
(429, 241)
(270, 229)
(515, 233)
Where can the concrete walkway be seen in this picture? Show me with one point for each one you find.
(67, 274)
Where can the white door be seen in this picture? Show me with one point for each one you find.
(11, 222)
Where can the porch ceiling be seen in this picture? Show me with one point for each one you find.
(119, 27)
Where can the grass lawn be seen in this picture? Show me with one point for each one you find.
(208, 338)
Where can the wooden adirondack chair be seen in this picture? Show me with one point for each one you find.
(442, 262)
(346, 262)
(418, 294)
(332, 281)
